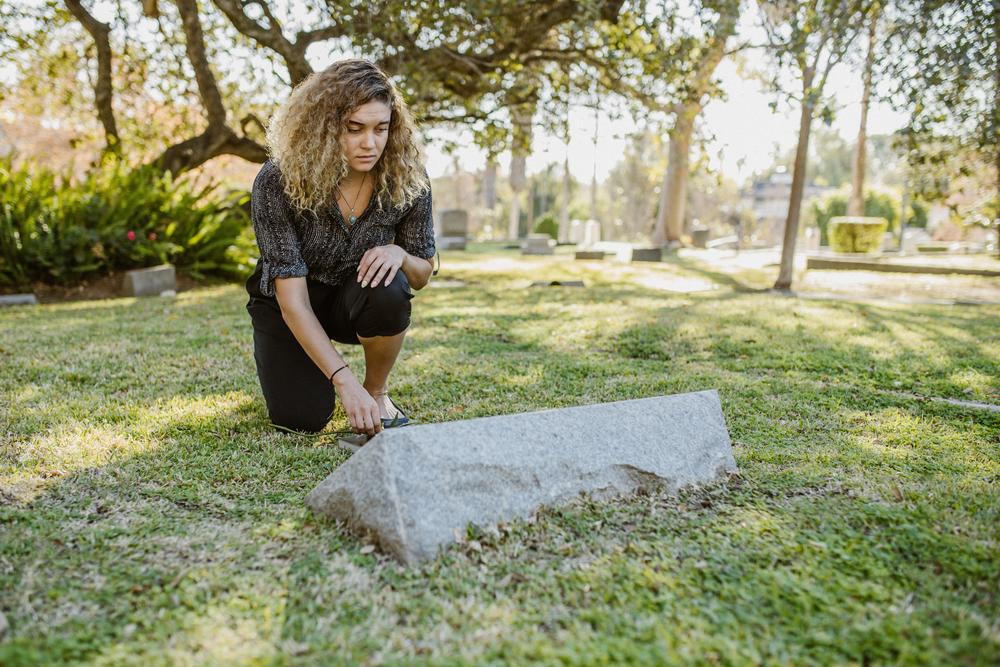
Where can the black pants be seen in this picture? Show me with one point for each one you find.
(297, 393)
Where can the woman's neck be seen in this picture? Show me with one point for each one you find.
(355, 179)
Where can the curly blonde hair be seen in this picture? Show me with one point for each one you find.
(303, 137)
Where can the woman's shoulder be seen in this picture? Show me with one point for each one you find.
(268, 177)
(269, 185)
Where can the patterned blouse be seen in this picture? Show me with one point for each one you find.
(327, 249)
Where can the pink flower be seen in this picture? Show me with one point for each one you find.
(152, 236)
(131, 235)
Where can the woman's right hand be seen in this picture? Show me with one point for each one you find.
(362, 410)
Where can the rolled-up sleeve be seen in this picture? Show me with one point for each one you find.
(271, 215)
(415, 229)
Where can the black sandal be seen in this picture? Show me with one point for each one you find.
(393, 422)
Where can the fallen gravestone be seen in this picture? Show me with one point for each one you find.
(589, 254)
(150, 282)
(414, 487)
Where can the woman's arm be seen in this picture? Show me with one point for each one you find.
(296, 310)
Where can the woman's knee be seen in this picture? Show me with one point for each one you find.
(387, 311)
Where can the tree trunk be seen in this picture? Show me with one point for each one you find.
(905, 209)
(531, 207)
(218, 138)
(520, 148)
(593, 176)
(564, 204)
(673, 193)
(102, 88)
(856, 205)
(996, 119)
(798, 187)
(490, 184)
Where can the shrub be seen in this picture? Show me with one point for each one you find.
(877, 205)
(547, 225)
(57, 231)
(857, 234)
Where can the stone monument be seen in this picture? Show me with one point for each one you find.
(417, 487)
(454, 229)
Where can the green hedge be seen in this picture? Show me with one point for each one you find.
(547, 225)
(59, 231)
(857, 234)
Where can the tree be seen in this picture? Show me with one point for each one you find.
(453, 60)
(946, 59)
(812, 37)
(719, 21)
(855, 205)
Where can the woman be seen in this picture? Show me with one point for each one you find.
(342, 213)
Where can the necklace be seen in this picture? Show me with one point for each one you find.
(354, 218)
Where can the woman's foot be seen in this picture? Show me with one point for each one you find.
(389, 412)
(386, 408)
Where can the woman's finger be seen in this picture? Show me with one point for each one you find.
(372, 269)
(363, 265)
(381, 274)
(392, 274)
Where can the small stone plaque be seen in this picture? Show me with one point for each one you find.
(18, 300)
(653, 254)
(150, 282)
(538, 244)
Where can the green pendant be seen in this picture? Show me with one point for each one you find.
(354, 219)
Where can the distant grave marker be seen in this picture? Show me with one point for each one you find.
(18, 300)
(558, 283)
(454, 229)
(538, 244)
(150, 282)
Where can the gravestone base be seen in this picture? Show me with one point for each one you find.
(589, 255)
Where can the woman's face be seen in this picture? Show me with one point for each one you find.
(367, 130)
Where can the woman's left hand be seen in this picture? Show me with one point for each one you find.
(380, 262)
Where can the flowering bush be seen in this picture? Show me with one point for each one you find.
(58, 231)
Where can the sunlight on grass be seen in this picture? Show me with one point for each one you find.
(152, 515)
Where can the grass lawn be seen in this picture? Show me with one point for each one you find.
(150, 515)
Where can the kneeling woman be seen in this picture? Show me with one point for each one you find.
(342, 213)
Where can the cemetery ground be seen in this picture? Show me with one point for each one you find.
(149, 514)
